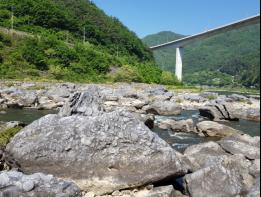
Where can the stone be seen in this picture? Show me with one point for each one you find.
(254, 170)
(183, 126)
(255, 190)
(238, 98)
(252, 114)
(146, 118)
(178, 126)
(89, 194)
(28, 186)
(228, 177)
(166, 108)
(216, 112)
(13, 183)
(233, 146)
(111, 149)
(84, 104)
(214, 129)
(204, 155)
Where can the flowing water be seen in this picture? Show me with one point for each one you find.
(180, 141)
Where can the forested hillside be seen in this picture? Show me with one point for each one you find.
(72, 40)
(232, 58)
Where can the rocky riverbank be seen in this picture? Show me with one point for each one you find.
(100, 143)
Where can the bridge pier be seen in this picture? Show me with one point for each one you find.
(179, 63)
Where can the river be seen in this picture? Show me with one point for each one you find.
(179, 141)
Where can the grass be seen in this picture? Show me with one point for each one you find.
(36, 87)
(7, 134)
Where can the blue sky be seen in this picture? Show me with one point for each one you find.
(181, 16)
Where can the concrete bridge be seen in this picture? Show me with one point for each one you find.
(181, 43)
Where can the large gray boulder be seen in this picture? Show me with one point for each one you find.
(216, 112)
(101, 152)
(16, 184)
(227, 177)
(214, 129)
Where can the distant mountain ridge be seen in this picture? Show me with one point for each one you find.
(231, 58)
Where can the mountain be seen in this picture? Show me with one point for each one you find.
(71, 40)
(222, 60)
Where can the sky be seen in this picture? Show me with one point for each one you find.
(186, 17)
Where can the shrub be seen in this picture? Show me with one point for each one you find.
(127, 74)
(168, 78)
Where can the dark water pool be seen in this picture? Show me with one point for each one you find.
(26, 116)
(180, 141)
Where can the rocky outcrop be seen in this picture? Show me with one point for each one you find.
(218, 171)
(101, 152)
(214, 129)
(217, 112)
(13, 183)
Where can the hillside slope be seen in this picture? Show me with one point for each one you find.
(225, 59)
(72, 40)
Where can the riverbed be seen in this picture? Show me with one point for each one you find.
(179, 141)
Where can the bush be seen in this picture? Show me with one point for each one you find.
(168, 78)
(127, 74)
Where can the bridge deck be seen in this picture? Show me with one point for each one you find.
(187, 40)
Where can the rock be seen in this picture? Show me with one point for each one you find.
(209, 95)
(204, 155)
(178, 126)
(28, 99)
(111, 149)
(213, 129)
(247, 139)
(254, 170)
(233, 146)
(238, 98)
(252, 114)
(183, 126)
(13, 183)
(255, 190)
(129, 102)
(165, 108)
(90, 194)
(84, 104)
(63, 91)
(194, 98)
(165, 191)
(3, 112)
(229, 177)
(149, 191)
(217, 112)
(147, 119)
